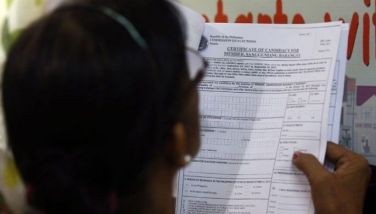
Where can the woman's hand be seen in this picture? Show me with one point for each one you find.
(341, 191)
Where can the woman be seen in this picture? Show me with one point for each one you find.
(116, 101)
(101, 112)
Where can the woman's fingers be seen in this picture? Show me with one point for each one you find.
(310, 166)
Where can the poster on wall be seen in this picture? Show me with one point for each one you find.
(358, 123)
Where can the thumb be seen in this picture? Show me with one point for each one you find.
(310, 166)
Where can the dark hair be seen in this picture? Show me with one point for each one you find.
(86, 108)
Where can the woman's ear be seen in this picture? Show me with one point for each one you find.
(178, 148)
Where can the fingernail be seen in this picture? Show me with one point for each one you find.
(295, 156)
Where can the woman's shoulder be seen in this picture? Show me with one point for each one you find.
(4, 208)
(12, 189)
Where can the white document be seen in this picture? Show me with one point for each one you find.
(194, 23)
(266, 95)
(195, 26)
(338, 85)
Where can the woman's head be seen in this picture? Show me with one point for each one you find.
(88, 109)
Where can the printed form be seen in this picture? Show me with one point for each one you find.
(266, 94)
(338, 85)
